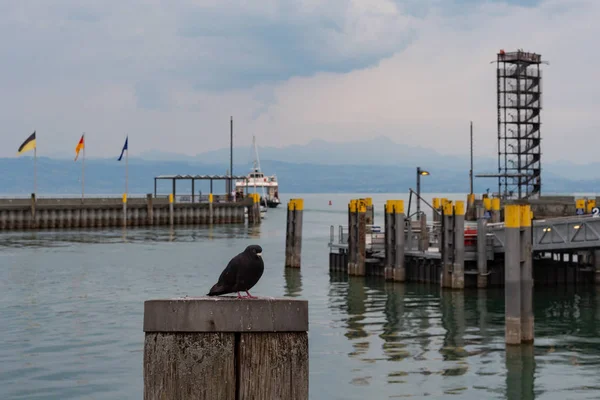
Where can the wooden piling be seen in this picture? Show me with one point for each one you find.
(446, 245)
(495, 209)
(254, 209)
(436, 206)
(211, 210)
(171, 210)
(370, 213)
(526, 259)
(149, 210)
(362, 236)
(124, 210)
(394, 241)
(458, 266)
(471, 210)
(482, 273)
(293, 238)
(399, 242)
(512, 273)
(33, 216)
(357, 218)
(226, 348)
(352, 235)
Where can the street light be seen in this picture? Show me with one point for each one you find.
(419, 173)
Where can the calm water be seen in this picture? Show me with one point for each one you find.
(71, 306)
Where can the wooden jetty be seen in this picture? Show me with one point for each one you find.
(157, 210)
(502, 245)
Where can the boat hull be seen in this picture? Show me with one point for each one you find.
(271, 203)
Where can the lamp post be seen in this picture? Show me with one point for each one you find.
(419, 173)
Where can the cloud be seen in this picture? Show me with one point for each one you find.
(170, 74)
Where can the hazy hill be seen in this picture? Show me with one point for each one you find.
(107, 176)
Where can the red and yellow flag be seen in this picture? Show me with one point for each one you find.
(80, 146)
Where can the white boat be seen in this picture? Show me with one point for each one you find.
(258, 180)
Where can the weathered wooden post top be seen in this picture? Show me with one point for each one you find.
(226, 348)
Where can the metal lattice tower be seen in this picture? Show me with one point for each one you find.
(519, 104)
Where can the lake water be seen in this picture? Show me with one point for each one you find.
(71, 307)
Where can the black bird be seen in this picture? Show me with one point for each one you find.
(241, 274)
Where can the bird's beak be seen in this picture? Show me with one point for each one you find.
(259, 254)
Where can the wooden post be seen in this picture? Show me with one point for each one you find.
(370, 216)
(471, 212)
(171, 210)
(446, 245)
(388, 229)
(495, 209)
(226, 348)
(293, 238)
(399, 241)
(458, 267)
(352, 236)
(361, 251)
(33, 218)
(124, 210)
(257, 217)
(482, 273)
(150, 209)
(527, 318)
(211, 210)
(436, 206)
(512, 273)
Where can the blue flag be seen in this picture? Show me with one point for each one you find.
(124, 148)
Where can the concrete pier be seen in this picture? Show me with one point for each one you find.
(65, 213)
(226, 348)
(293, 237)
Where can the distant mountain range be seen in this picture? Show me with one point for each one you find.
(375, 165)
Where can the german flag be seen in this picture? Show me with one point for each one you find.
(28, 144)
(80, 146)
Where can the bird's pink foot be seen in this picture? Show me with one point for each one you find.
(250, 296)
(240, 296)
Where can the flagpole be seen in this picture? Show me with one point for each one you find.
(83, 168)
(127, 169)
(35, 170)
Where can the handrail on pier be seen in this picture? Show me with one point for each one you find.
(409, 215)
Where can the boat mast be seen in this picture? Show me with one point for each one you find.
(257, 169)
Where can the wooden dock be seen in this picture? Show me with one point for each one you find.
(564, 249)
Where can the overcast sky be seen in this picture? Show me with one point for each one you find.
(170, 73)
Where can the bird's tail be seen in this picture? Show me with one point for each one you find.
(216, 290)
